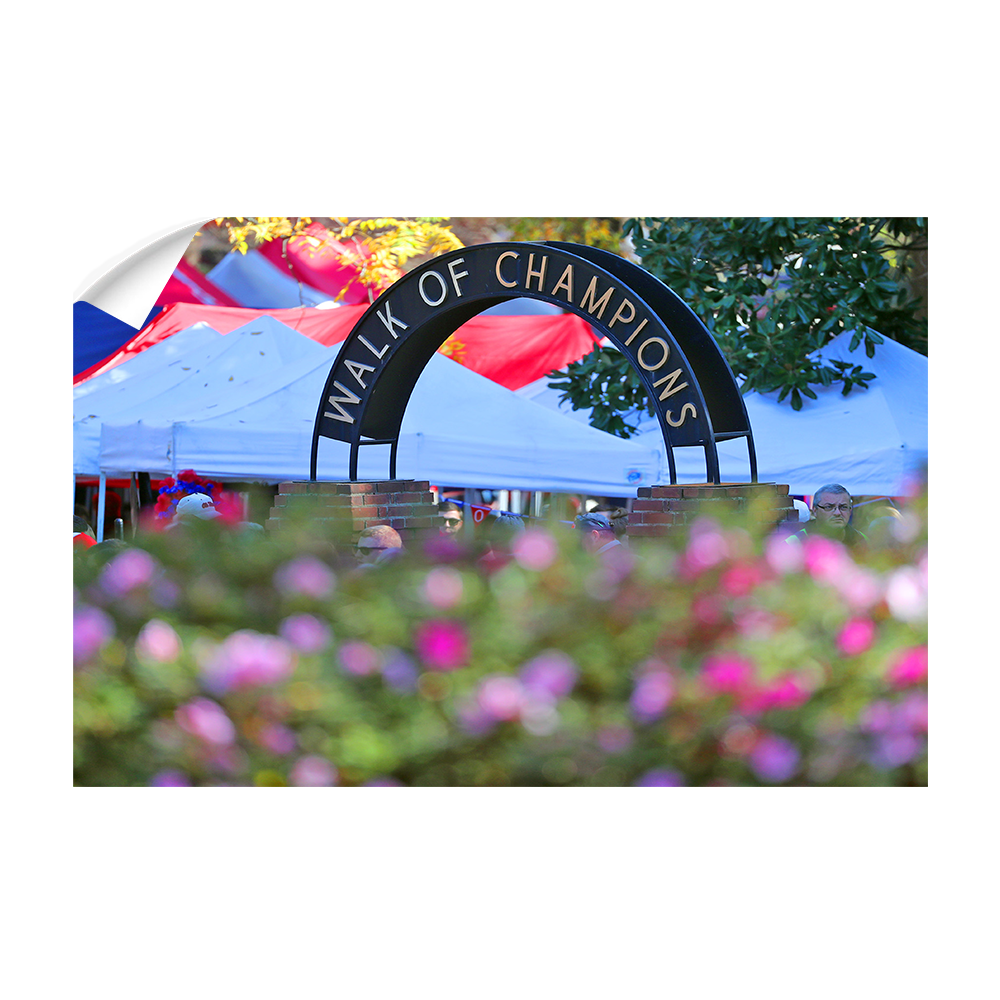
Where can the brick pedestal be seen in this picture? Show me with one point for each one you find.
(659, 510)
(404, 504)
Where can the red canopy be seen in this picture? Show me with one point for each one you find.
(188, 284)
(328, 266)
(510, 350)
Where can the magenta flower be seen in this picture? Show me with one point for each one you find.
(660, 778)
(535, 549)
(384, 782)
(305, 575)
(651, 695)
(549, 676)
(307, 633)
(786, 691)
(158, 641)
(442, 644)
(909, 667)
(247, 659)
(359, 658)
(206, 720)
(128, 570)
(313, 771)
(774, 759)
(740, 579)
(727, 674)
(92, 628)
(856, 636)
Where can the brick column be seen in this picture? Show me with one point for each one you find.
(661, 510)
(404, 504)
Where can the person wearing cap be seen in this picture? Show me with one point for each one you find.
(831, 512)
(597, 535)
(195, 506)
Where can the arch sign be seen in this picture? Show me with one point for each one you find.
(691, 386)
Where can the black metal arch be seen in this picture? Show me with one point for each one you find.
(690, 384)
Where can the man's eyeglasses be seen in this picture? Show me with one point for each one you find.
(360, 550)
(844, 508)
(451, 523)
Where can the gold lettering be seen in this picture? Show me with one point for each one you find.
(685, 409)
(506, 253)
(540, 274)
(335, 402)
(635, 332)
(378, 354)
(644, 345)
(388, 319)
(601, 303)
(671, 388)
(565, 281)
(618, 315)
(357, 369)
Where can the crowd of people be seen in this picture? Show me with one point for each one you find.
(602, 526)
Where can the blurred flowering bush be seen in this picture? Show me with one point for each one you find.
(216, 657)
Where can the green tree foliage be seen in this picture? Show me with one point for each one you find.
(771, 291)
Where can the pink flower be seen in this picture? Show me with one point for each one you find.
(727, 674)
(906, 594)
(277, 738)
(313, 771)
(651, 695)
(501, 697)
(128, 570)
(740, 579)
(442, 644)
(246, 659)
(786, 691)
(535, 549)
(207, 721)
(307, 633)
(825, 559)
(92, 628)
(305, 575)
(707, 546)
(908, 667)
(359, 658)
(783, 556)
(550, 675)
(158, 641)
(856, 636)
(443, 587)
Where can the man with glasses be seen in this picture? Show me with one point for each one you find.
(450, 515)
(376, 544)
(831, 516)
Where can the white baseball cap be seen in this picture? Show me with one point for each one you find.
(197, 505)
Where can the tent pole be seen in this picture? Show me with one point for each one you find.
(102, 489)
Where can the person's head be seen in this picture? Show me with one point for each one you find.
(502, 529)
(832, 506)
(450, 516)
(376, 540)
(595, 530)
(196, 505)
(81, 526)
(618, 516)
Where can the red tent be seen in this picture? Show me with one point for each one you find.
(188, 284)
(327, 266)
(510, 350)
